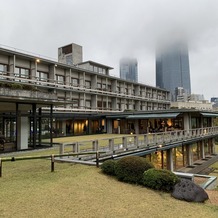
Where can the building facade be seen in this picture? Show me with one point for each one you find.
(172, 68)
(47, 98)
(129, 69)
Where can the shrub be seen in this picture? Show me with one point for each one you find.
(130, 169)
(158, 179)
(108, 167)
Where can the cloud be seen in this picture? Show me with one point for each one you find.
(109, 30)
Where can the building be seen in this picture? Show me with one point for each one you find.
(129, 69)
(172, 68)
(41, 98)
(199, 105)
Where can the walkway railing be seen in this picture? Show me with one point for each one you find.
(130, 142)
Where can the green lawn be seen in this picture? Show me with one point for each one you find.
(29, 189)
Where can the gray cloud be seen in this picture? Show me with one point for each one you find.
(109, 30)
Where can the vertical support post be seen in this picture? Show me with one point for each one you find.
(146, 140)
(93, 146)
(0, 167)
(61, 150)
(188, 154)
(162, 159)
(34, 125)
(183, 155)
(202, 152)
(124, 139)
(97, 159)
(52, 163)
(169, 155)
(40, 126)
(51, 125)
(136, 141)
(111, 145)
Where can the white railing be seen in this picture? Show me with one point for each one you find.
(132, 142)
(55, 84)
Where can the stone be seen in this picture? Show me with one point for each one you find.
(189, 191)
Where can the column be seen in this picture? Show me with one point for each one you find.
(202, 152)
(189, 159)
(22, 132)
(63, 127)
(169, 157)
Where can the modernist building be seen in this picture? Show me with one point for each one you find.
(43, 98)
(172, 68)
(129, 69)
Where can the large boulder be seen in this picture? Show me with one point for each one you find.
(189, 191)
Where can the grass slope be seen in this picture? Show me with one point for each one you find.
(29, 189)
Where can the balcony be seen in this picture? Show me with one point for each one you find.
(21, 94)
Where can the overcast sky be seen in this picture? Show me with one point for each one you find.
(111, 29)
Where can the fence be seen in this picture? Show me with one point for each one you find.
(51, 157)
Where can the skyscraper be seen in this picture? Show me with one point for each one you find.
(172, 68)
(129, 69)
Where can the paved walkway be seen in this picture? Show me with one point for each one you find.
(201, 166)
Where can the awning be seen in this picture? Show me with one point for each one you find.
(209, 114)
(153, 116)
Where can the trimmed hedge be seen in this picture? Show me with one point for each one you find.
(108, 167)
(158, 179)
(130, 169)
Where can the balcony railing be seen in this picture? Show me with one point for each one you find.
(66, 87)
(149, 142)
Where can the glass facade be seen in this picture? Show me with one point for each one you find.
(129, 69)
(172, 69)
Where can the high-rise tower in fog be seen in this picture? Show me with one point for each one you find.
(172, 68)
(129, 69)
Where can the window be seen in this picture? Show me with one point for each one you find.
(42, 76)
(75, 103)
(109, 105)
(95, 69)
(88, 84)
(3, 68)
(98, 85)
(103, 86)
(60, 79)
(118, 89)
(109, 88)
(22, 73)
(88, 104)
(75, 82)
